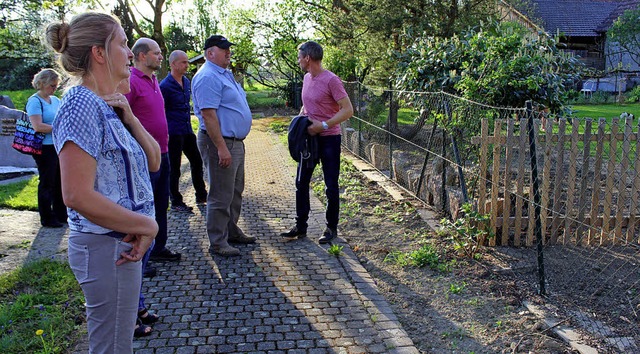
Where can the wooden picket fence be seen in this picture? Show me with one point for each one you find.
(579, 205)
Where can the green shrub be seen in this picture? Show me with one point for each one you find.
(633, 95)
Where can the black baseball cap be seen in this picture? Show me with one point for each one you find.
(217, 41)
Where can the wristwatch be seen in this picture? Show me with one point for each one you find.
(325, 126)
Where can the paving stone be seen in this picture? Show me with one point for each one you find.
(277, 296)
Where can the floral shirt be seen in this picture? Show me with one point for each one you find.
(122, 173)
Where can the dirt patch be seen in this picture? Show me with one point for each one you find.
(461, 306)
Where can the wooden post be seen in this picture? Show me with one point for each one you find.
(517, 233)
(622, 183)
(571, 182)
(495, 179)
(507, 185)
(557, 188)
(546, 176)
(635, 187)
(608, 191)
(482, 179)
(595, 196)
(586, 153)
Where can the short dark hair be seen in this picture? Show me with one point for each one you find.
(312, 49)
(140, 47)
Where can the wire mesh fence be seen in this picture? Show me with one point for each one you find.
(447, 151)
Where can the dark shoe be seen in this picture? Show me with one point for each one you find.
(328, 235)
(149, 272)
(147, 318)
(141, 330)
(224, 251)
(294, 233)
(165, 255)
(242, 238)
(52, 224)
(182, 208)
(201, 200)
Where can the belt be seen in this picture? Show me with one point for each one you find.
(224, 137)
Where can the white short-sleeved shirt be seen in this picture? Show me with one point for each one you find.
(122, 173)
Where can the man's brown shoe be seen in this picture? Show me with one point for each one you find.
(242, 238)
(224, 251)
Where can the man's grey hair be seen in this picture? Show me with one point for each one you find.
(174, 55)
(312, 49)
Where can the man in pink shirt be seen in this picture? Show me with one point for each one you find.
(147, 104)
(327, 104)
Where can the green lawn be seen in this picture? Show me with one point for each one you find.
(39, 306)
(21, 195)
(605, 110)
(19, 98)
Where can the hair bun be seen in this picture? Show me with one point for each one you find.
(63, 32)
(57, 36)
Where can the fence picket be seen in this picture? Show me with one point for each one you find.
(517, 233)
(495, 179)
(546, 181)
(595, 196)
(611, 167)
(635, 187)
(571, 182)
(557, 188)
(584, 179)
(482, 179)
(622, 183)
(507, 184)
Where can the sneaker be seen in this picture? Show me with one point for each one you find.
(242, 238)
(328, 235)
(165, 255)
(294, 233)
(224, 251)
(182, 208)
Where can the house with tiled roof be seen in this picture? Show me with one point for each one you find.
(582, 26)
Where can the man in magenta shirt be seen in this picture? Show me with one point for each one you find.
(327, 104)
(147, 104)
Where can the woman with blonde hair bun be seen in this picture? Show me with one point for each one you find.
(105, 160)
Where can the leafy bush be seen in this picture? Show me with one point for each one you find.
(633, 95)
(468, 232)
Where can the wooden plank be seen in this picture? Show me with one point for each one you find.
(622, 183)
(495, 181)
(558, 185)
(482, 179)
(597, 222)
(571, 182)
(546, 180)
(597, 166)
(532, 224)
(543, 138)
(635, 188)
(584, 179)
(507, 181)
(611, 175)
(522, 153)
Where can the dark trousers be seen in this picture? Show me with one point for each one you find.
(50, 204)
(329, 149)
(160, 184)
(177, 145)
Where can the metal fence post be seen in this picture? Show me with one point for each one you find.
(535, 185)
(444, 171)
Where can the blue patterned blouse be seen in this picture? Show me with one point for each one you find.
(122, 173)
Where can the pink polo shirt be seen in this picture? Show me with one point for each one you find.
(320, 96)
(147, 104)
